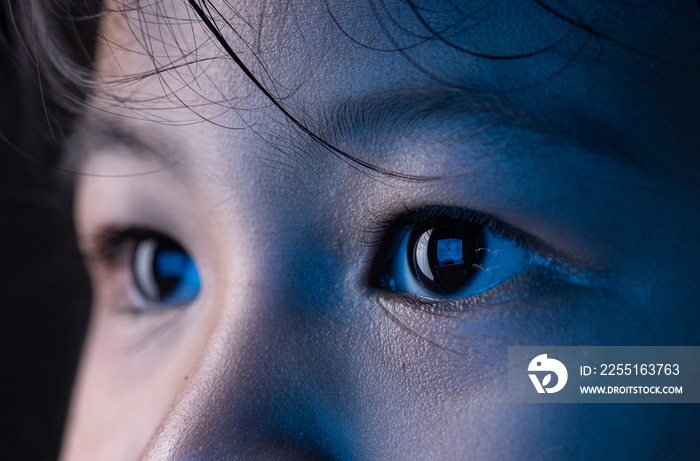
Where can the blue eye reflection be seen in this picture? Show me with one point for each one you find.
(164, 273)
(446, 257)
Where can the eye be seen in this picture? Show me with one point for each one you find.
(163, 272)
(447, 253)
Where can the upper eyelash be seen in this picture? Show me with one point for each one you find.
(386, 235)
(388, 229)
(107, 245)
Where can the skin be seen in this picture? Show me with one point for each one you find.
(589, 148)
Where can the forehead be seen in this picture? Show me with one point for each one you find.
(617, 77)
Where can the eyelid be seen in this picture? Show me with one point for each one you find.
(108, 245)
(389, 228)
(112, 252)
(390, 235)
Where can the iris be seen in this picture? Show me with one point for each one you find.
(447, 253)
(164, 273)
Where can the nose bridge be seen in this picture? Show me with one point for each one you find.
(267, 383)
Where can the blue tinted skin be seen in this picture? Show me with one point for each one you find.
(587, 150)
(179, 265)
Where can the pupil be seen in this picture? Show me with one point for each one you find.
(445, 258)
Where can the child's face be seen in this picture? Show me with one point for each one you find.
(298, 340)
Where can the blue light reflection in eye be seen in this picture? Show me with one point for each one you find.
(449, 249)
(458, 267)
(164, 273)
(178, 266)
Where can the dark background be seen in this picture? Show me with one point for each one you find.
(44, 292)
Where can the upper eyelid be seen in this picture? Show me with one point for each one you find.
(113, 248)
(386, 228)
(387, 235)
(107, 245)
(384, 233)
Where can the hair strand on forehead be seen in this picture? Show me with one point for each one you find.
(200, 11)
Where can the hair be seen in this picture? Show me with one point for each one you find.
(46, 294)
(53, 45)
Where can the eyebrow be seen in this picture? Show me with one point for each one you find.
(377, 119)
(388, 110)
(101, 133)
(370, 122)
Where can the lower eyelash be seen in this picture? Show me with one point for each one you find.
(477, 300)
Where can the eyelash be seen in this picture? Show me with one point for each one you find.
(110, 244)
(118, 246)
(385, 229)
(386, 236)
(166, 262)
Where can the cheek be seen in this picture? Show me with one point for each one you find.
(131, 373)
